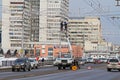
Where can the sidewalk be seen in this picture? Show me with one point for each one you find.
(9, 67)
(5, 67)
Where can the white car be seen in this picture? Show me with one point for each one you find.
(34, 63)
(113, 64)
(90, 60)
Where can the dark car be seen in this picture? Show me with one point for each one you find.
(21, 64)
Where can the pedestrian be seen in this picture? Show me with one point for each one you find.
(42, 60)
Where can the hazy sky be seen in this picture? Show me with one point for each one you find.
(0, 8)
(103, 8)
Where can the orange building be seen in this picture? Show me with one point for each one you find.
(53, 50)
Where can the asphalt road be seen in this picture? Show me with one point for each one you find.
(98, 72)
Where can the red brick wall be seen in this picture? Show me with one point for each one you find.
(77, 50)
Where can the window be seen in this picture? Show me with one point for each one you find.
(50, 51)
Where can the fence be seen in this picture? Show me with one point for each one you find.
(7, 62)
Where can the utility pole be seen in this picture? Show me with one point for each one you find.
(22, 38)
(84, 45)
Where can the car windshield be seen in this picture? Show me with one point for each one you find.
(65, 55)
(19, 60)
(89, 58)
(32, 60)
(113, 60)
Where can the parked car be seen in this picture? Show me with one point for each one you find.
(103, 60)
(21, 64)
(97, 61)
(34, 63)
(113, 64)
(90, 60)
(82, 61)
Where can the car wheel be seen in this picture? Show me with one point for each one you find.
(36, 67)
(33, 66)
(78, 66)
(13, 69)
(18, 70)
(59, 68)
(29, 69)
(108, 69)
(25, 69)
(64, 67)
(118, 69)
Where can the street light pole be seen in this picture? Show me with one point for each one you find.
(22, 38)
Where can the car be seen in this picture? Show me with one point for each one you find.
(34, 63)
(97, 61)
(90, 60)
(113, 64)
(21, 64)
(82, 61)
(103, 60)
(64, 61)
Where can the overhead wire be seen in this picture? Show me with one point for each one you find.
(100, 10)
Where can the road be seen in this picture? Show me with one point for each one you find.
(98, 72)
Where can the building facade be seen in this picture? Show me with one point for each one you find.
(26, 22)
(52, 12)
(0, 32)
(16, 20)
(34, 20)
(84, 29)
(52, 51)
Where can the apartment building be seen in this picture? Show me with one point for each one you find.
(16, 24)
(83, 29)
(34, 20)
(28, 21)
(52, 12)
(0, 31)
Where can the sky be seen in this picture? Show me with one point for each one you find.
(105, 9)
(0, 9)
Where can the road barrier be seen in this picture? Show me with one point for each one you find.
(7, 64)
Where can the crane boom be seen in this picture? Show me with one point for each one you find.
(69, 44)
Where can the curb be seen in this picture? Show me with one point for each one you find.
(8, 68)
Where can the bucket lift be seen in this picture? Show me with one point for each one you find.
(65, 32)
(67, 60)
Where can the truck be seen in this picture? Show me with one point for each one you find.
(65, 60)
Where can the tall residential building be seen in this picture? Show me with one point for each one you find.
(84, 29)
(26, 21)
(0, 31)
(52, 12)
(16, 23)
(34, 20)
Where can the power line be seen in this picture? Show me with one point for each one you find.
(99, 10)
